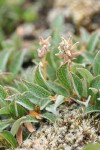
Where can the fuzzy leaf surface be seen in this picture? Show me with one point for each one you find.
(42, 102)
(96, 64)
(53, 108)
(37, 90)
(49, 116)
(17, 61)
(29, 118)
(77, 83)
(93, 41)
(85, 74)
(58, 89)
(63, 76)
(24, 101)
(95, 83)
(38, 78)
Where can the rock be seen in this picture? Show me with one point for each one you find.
(81, 11)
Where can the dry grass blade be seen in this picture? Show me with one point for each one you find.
(19, 136)
(29, 126)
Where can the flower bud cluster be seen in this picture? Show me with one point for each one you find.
(67, 51)
(44, 43)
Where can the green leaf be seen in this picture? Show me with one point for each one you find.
(2, 93)
(16, 62)
(24, 101)
(9, 138)
(17, 123)
(91, 45)
(57, 28)
(63, 76)
(4, 110)
(95, 83)
(12, 90)
(85, 89)
(29, 118)
(58, 89)
(2, 103)
(74, 67)
(84, 34)
(42, 102)
(94, 146)
(54, 59)
(91, 109)
(4, 55)
(89, 57)
(77, 83)
(97, 102)
(59, 100)
(21, 87)
(96, 64)
(50, 72)
(38, 78)
(16, 110)
(15, 126)
(85, 74)
(5, 124)
(94, 90)
(49, 116)
(53, 108)
(37, 90)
